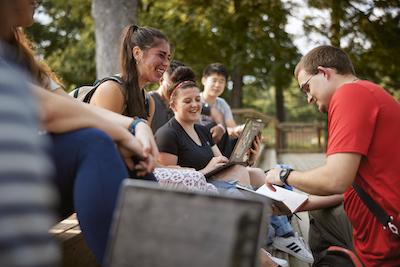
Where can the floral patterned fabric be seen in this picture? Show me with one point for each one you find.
(181, 178)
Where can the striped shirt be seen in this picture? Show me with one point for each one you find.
(27, 195)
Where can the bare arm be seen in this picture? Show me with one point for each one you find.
(320, 202)
(171, 160)
(152, 109)
(167, 159)
(334, 177)
(316, 202)
(143, 131)
(218, 117)
(233, 131)
(62, 114)
(109, 95)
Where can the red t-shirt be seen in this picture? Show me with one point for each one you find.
(365, 119)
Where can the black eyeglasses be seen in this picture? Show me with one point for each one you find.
(305, 88)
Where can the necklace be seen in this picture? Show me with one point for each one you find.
(356, 79)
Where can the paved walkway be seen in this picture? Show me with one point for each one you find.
(299, 161)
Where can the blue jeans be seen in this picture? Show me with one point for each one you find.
(278, 226)
(89, 171)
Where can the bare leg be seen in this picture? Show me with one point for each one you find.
(257, 177)
(236, 172)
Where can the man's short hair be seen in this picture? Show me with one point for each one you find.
(328, 56)
(215, 68)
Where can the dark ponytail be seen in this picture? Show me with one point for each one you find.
(144, 38)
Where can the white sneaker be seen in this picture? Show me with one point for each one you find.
(295, 246)
(278, 261)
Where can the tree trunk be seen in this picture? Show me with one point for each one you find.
(241, 25)
(336, 16)
(110, 18)
(236, 93)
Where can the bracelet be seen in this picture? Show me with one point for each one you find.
(222, 126)
(135, 121)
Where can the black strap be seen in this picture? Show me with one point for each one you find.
(97, 83)
(374, 207)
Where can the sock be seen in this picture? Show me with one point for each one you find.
(288, 234)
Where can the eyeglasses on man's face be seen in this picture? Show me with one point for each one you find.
(305, 88)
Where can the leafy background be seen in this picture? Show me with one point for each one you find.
(247, 36)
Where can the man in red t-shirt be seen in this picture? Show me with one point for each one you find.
(363, 145)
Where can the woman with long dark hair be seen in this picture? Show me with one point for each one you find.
(144, 57)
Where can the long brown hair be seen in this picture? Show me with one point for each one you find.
(25, 56)
(145, 38)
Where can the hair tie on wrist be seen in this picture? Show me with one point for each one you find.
(222, 126)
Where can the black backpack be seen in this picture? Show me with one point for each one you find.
(337, 257)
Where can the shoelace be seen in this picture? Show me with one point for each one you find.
(303, 241)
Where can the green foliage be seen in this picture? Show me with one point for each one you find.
(297, 108)
(246, 36)
(67, 43)
(369, 31)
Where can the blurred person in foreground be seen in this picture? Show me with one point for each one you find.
(27, 194)
(92, 148)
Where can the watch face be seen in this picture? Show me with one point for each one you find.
(283, 172)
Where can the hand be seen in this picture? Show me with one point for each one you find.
(234, 133)
(144, 135)
(214, 163)
(272, 177)
(129, 147)
(276, 211)
(217, 133)
(143, 167)
(254, 152)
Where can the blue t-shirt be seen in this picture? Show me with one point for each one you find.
(172, 138)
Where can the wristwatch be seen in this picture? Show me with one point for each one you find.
(284, 174)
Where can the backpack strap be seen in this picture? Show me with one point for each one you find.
(379, 213)
(97, 83)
